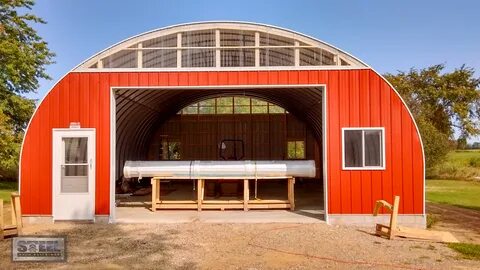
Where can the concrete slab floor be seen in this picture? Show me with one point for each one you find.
(144, 215)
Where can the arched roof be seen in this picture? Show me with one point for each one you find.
(219, 45)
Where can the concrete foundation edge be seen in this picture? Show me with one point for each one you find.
(416, 221)
(100, 219)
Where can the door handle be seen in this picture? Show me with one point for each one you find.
(90, 163)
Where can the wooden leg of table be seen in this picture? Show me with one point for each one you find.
(291, 193)
(199, 195)
(154, 194)
(158, 190)
(246, 194)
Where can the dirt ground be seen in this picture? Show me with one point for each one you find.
(461, 222)
(235, 246)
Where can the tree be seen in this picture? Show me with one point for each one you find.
(23, 58)
(442, 103)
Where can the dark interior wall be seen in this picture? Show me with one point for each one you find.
(265, 136)
(140, 113)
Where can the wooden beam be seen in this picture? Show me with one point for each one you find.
(199, 194)
(1, 219)
(246, 194)
(177, 206)
(154, 195)
(291, 193)
(268, 201)
(393, 219)
(177, 202)
(18, 212)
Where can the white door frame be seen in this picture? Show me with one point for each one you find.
(113, 130)
(57, 134)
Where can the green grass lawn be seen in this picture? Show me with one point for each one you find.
(459, 165)
(455, 192)
(6, 188)
(468, 251)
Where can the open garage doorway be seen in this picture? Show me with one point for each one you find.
(221, 123)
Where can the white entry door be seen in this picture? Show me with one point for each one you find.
(73, 174)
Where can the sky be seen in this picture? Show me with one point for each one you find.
(387, 35)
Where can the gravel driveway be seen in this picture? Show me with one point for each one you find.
(236, 246)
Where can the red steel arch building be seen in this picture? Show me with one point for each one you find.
(360, 133)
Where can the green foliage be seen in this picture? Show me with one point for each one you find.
(23, 57)
(468, 251)
(474, 162)
(6, 189)
(454, 192)
(431, 220)
(440, 102)
(459, 164)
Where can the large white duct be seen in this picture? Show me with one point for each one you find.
(238, 169)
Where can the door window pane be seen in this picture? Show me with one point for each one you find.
(353, 148)
(373, 149)
(74, 175)
(75, 150)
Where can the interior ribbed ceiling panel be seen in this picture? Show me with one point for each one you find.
(139, 112)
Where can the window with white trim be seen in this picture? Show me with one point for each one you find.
(363, 148)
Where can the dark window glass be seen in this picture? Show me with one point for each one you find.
(353, 148)
(373, 150)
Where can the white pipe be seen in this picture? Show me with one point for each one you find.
(219, 169)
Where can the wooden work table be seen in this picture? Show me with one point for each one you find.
(201, 203)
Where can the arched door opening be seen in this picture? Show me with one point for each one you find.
(222, 124)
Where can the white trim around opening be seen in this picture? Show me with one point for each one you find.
(156, 88)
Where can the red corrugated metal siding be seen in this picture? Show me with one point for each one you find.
(354, 97)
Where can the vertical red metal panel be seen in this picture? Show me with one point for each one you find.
(74, 98)
(273, 78)
(172, 78)
(212, 78)
(243, 77)
(84, 109)
(418, 185)
(397, 164)
(102, 205)
(344, 119)
(232, 78)
(45, 155)
(385, 95)
(193, 78)
(183, 78)
(334, 155)
(94, 81)
(354, 111)
(293, 77)
(407, 162)
(303, 78)
(375, 121)
(366, 176)
(252, 77)
(222, 78)
(143, 79)
(152, 78)
(133, 79)
(282, 77)
(263, 77)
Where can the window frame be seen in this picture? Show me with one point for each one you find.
(295, 144)
(382, 152)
